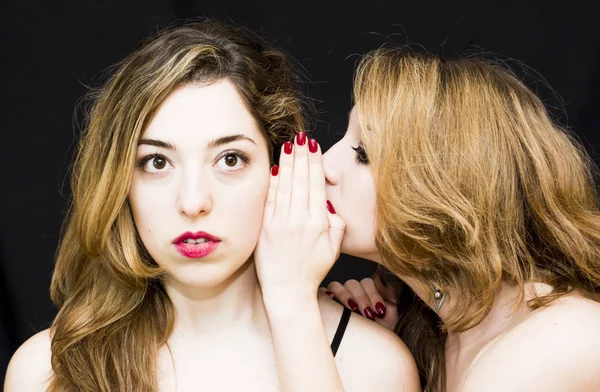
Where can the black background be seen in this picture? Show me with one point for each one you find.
(50, 52)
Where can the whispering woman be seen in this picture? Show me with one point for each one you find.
(454, 177)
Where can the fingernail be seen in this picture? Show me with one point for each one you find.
(327, 292)
(369, 313)
(313, 146)
(287, 147)
(330, 207)
(380, 308)
(301, 138)
(352, 304)
(274, 170)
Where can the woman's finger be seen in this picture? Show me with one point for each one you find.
(375, 298)
(342, 295)
(271, 194)
(326, 292)
(337, 226)
(299, 203)
(284, 185)
(361, 297)
(316, 195)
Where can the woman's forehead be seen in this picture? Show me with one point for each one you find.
(203, 114)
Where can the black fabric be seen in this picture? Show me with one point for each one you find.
(341, 329)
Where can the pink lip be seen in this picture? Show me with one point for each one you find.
(195, 251)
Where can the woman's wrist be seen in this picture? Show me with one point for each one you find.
(285, 302)
(304, 358)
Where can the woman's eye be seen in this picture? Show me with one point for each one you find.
(159, 163)
(232, 161)
(154, 163)
(361, 155)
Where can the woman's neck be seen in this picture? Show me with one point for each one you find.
(504, 314)
(235, 303)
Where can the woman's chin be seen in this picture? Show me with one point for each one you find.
(366, 252)
(199, 276)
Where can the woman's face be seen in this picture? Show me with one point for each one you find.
(200, 184)
(351, 190)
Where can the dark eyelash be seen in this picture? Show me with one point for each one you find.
(244, 157)
(361, 155)
(142, 161)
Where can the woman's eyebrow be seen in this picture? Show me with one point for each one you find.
(212, 144)
(156, 143)
(228, 139)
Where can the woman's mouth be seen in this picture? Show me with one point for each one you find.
(196, 245)
(196, 250)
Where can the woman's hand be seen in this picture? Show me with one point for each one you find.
(301, 234)
(299, 242)
(373, 299)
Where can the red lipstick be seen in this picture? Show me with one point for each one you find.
(196, 245)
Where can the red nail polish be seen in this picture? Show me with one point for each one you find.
(301, 138)
(313, 146)
(352, 304)
(274, 170)
(287, 147)
(369, 313)
(327, 292)
(380, 308)
(330, 207)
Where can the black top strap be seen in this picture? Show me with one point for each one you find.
(339, 334)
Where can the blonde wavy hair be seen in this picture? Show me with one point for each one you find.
(114, 313)
(476, 185)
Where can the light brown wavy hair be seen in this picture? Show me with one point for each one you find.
(114, 313)
(476, 185)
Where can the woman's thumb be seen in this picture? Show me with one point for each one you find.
(337, 226)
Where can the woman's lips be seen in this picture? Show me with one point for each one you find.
(195, 251)
(195, 236)
(187, 245)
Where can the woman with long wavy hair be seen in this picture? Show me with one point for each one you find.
(154, 279)
(453, 176)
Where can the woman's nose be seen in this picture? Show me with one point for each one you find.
(195, 196)
(332, 175)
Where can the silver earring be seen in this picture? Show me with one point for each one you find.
(438, 298)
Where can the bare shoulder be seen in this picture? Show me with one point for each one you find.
(370, 357)
(30, 368)
(557, 348)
